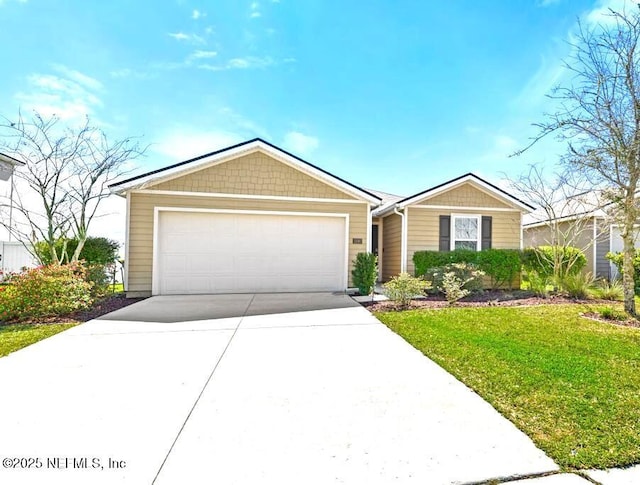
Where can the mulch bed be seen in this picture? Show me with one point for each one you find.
(629, 322)
(501, 299)
(101, 307)
(482, 299)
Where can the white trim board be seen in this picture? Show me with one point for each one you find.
(464, 208)
(156, 217)
(179, 193)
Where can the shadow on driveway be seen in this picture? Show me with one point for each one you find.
(187, 308)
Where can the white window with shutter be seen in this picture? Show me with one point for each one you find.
(465, 231)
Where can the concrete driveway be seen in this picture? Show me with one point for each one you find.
(323, 395)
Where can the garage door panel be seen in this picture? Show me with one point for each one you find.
(230, 252)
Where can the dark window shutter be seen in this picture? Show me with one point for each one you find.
(445, 233)
(486, 232)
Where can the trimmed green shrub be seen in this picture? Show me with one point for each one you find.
(402, 288)
(543, 260)
(426, 260)
(96, 250)
(365, 272)
(45, 291)
(502, 266)
(616, 258)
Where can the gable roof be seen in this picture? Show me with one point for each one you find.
(225, 154)
(438, 189)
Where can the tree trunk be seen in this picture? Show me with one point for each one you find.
(628, 255)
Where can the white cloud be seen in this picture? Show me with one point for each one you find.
(182, 143)
(197, 14)
(299, 143)
(255, 10)
(547, 3)
(601, 14)
(249, 62)
(199, 54)
(188, 38)
(69, 95)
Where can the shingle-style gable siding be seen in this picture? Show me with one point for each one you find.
(256, 174)
(465, 195)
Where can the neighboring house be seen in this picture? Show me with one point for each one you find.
(466, 212)
(590, 230)
(249, 218)
(255, 218)
(14, 257)
(7, 166)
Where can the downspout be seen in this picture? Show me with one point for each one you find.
(403, 240)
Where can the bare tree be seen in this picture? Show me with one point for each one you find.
(566, 206)
(64, 179)
(598, 116)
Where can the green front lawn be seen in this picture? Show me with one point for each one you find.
(15, 337)
(571, 384)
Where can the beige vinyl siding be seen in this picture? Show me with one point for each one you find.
(579, 235)
(141, 225)
(465, 195)
(391, 246)
(424, 225)
(256, 174)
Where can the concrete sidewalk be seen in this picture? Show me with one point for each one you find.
(321, 396)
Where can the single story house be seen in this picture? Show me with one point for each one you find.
(591, 230)
(255, 218)
(466, 212)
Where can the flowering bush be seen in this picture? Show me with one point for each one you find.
(403, 287)
(457, 280)
(45, 291)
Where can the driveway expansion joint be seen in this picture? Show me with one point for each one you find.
(215, 367)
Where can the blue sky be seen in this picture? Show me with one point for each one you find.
(397, 96)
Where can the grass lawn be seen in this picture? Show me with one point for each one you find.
(15, 337)
(571, 384)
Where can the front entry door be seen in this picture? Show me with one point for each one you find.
(374, 239)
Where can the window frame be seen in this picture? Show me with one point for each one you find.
(478, 240)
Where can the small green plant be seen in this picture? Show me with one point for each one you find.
(365, 272)
(609, 290)
(45, 291)
(577, 286)
(539, 285)
(611, 313)
(453, 286)
(402, 288)
(616, 258)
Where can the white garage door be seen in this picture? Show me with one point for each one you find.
(205, 252)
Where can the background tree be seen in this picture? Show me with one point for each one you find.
(598, 115)
(65, 178)
(565, 205)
